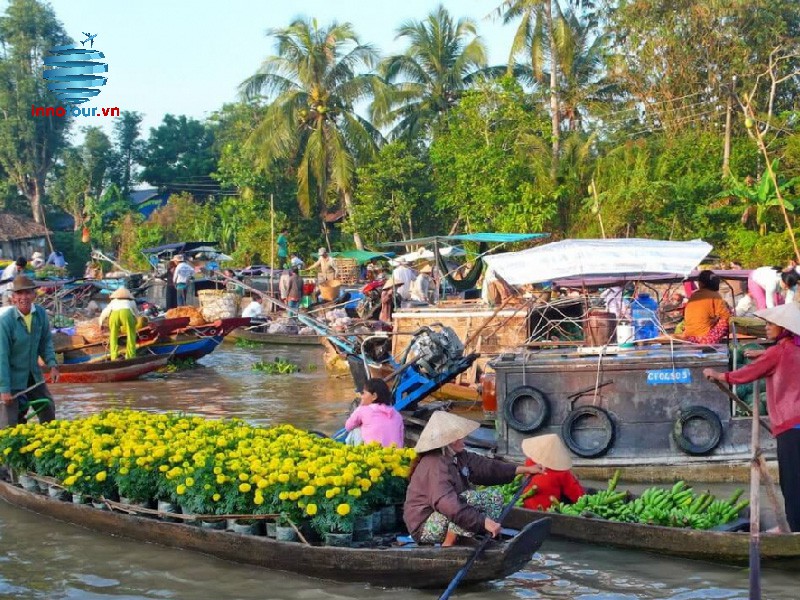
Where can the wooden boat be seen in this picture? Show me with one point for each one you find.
(779, 550)
(107, 371)
(262, 337)
(186, 342)
(419, 567)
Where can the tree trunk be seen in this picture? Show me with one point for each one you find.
(348, 204)
(35, 196)
(554, 108)
(726, 147)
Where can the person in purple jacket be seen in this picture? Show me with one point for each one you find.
(440, 502)
(376, 418)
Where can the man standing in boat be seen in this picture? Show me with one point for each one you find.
(24, 338)
(121, 313)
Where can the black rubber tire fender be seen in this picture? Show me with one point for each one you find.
(705, 414)
(606, 424)
(541, 412)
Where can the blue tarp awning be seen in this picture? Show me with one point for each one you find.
(489, 237)
(177, 248)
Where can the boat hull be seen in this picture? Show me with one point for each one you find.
(275, 338)
(777, 550)
(109, 371)
(420, 567)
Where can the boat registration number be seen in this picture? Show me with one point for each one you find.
(667, 376)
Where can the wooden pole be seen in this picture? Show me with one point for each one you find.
(272, 248)
(755, 507)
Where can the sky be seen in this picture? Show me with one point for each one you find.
(182, 57)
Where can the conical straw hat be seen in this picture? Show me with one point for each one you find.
(121, 293)
(444, 428)
(786, 316)
(549, 451)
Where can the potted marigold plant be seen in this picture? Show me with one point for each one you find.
(334, 522)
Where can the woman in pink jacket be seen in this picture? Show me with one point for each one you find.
(377, 418)
(780, 365)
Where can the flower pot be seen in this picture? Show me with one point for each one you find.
(271, 529)
(56, 492)
(28, 483)
(362, 528)
(185, 511)
(212, 524)
(377, 522)
(247, 527)
(99, 504)
(285, 534)
(168, 507)
(342, 540)
(125, 500)
(80, 499)
(388, 518)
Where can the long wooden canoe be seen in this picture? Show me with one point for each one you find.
(108, 371)
(778, 550)
(418, 567)
(263, 337)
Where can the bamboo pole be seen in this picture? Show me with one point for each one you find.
(272, 247)
(755, 507)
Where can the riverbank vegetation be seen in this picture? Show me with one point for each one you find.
(609, 119)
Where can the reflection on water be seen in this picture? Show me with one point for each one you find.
(45, 559)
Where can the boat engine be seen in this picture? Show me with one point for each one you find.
(435, 351)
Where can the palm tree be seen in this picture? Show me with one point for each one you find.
(442, 59)
(313, 82)
(582, 58)
(535, 36)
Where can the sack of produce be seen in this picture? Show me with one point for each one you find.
(195, 316)
(218, 304)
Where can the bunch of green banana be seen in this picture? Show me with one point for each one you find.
(678, 506)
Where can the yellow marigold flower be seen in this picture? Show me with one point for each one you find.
(311, 510)
(262, 483)
(258, 499)
(283, 478)
(180, 490)
(283, 496)
(343, 509)
(309, 490)
(245, 487)
(243, 477)
(216, 497)
(70, 480)
(122, 470)
(101, 476)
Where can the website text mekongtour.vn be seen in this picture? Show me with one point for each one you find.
(75, 111)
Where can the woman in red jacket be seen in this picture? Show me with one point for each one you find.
(780, 365)
(556, 483)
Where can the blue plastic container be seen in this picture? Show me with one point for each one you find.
(644, 311)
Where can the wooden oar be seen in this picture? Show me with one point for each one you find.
(742, 404)
(465, 569)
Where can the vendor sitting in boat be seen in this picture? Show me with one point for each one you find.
(556, 483)
(706, 315)
(375, 419)
(440, 503)
(121, 313)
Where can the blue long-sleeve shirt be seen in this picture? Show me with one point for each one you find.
(20, 350)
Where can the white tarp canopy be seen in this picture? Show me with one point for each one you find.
(425, 254)
(570, 258)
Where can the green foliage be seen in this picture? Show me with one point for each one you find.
(179, 155)
(754, 250)
(395, 197)
(490, 164)
(76, 253)
(279, 366)
(28, 145)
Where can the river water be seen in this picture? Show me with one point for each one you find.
(46, 559)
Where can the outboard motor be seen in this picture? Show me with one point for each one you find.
(434, 351)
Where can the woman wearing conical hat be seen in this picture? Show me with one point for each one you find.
(121, 313)
(440, 501)
(556, 483)
(780, 365)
